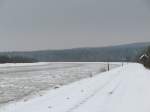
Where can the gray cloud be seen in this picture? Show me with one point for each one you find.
(58, 24)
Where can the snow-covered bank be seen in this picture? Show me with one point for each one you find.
(45, 63)
(125, 89)
(18, 81)
(22, 64)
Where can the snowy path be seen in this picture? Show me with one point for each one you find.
(125, 89)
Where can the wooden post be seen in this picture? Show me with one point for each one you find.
(108, 66)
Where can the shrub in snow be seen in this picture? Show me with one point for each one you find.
(145, 58)
(103, 70)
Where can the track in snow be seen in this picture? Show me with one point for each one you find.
(99, 89)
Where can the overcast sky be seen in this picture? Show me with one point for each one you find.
(61, 24)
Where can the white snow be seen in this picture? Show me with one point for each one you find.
(125, 89)
(22, 64)
(45, 63)
(20, 81)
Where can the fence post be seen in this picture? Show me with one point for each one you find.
(108, 66)
(122, 64)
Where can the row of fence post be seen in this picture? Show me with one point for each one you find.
(108, 66)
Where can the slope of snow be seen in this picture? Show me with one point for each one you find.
(20, 82)
(125, 89)
(22, 64)
(47, 63)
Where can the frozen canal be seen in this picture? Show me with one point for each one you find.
(18, 81)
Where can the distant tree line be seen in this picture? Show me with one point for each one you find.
(16, 59)
(122, 53)
(144, 58)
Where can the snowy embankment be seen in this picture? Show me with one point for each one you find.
(21, 81)
(125, 89)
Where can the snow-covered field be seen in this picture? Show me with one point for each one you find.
(124, 89)
(17, 81)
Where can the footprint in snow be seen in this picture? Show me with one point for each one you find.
(49, 107)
